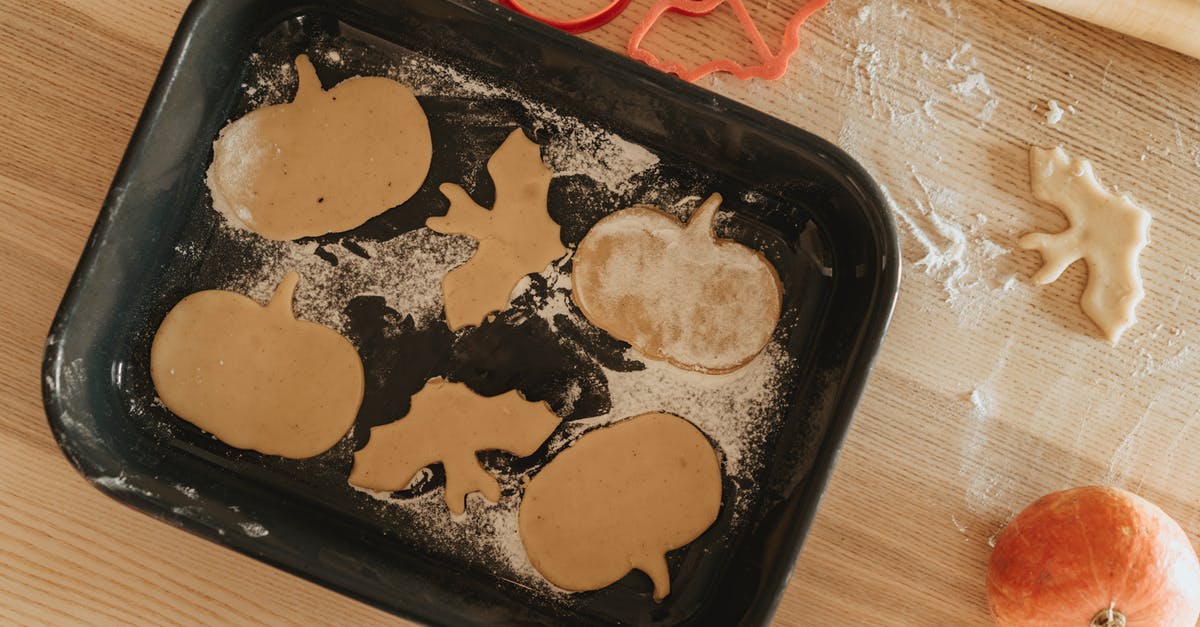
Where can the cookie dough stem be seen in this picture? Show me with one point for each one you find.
(309, 84)
(281, 300)
(700, 223)
(656, 567)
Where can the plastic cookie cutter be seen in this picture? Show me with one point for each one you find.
(772, 64)
(575, 25)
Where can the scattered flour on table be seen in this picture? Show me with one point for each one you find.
(905, 104)
(1054, 113)
(894, 103)
(981, 472)
(945, 225)
(979, 484)
(957, 253)
(865, 69)
(955, 244)
(974, 82)
(1162, 349)
(961, 527)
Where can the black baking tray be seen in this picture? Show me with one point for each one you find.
(813, 210)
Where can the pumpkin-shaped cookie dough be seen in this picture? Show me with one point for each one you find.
(254, 376)
(325, 162)
(676, 292)
(619, 499)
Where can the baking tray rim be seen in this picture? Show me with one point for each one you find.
(849, 392)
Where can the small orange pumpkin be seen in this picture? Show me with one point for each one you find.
(1093, 557)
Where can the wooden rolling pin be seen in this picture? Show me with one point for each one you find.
(1174, 24)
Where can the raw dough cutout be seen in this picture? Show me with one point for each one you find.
(516, 237)
(449, 423)
(675, 291)
(254, 376)
(1107, 231)
(619, 499)
(326, 162)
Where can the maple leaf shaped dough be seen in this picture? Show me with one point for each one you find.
(449, 423)
(516, 237)
(1107, 231)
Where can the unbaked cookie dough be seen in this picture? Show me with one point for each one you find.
(254, 376)
(449, 423)
(676, 292)
(325, 162)
(516, 236)
(1107, 231)
(618, 499)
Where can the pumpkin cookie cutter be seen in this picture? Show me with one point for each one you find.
(574, 25)
(772, 64)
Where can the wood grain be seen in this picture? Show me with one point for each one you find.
(988, 392)
(73, 82)
(1169, 23)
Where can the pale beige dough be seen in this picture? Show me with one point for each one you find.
(618, 499)
(254, 376)
(516, 237)
(325, 162)
(1107, 231)
(675, 291)
(449, 423)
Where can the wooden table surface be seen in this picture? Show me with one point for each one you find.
(988, 393)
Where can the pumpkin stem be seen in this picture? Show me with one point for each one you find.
(700, 223)
(281, 300)
(307, 80)
(1108, 617)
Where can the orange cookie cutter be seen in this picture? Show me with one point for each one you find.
(575, 25)
(773, 64)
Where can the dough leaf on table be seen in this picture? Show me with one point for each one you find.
(1107, 231)
(516, 236)
(449, 423)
